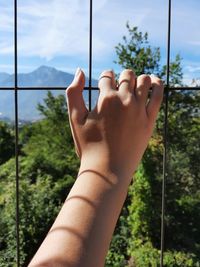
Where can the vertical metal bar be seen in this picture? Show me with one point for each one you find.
(90, 59)
(16, 133)
(165, 137)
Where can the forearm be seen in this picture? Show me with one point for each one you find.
(83, 229)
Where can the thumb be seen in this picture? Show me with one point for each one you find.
(76, 105)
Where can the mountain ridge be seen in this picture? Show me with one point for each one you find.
(43, 76)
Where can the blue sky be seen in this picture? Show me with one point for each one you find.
(55, 32)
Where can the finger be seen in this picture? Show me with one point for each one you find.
(127, 81)
(75, 101)
(142, 88)
(107, 81)
(156, 97)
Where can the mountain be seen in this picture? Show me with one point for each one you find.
(3, 76)
(44, 76)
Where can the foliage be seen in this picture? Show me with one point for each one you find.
(117, 255)
(48, 167)
(175, 72)
(140, 209)
(147, 256)
(7, 143)
(38, 206)
(182, 232)
(135, 53)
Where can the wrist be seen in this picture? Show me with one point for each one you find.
(104, 166)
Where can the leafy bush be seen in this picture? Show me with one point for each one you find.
(147, 256)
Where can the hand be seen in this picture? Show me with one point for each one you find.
(116, 132)
(110, 141)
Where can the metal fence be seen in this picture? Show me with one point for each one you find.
(17, 88)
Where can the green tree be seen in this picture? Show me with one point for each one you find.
(7, 143)
(48, 167)
(135, 52)
(50, 145)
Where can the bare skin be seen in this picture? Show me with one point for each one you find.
(110, 141)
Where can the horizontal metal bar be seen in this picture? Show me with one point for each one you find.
(183, 88)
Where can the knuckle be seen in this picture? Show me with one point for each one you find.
(158, 82)
(127, 102)
(111, 99)
(107, 72)
(74, 116)
(161, 84)
(128, 71)
(158, 92)
(146, 80)
(73, 90)
(69, 91)
(111, 96)
(158, 97)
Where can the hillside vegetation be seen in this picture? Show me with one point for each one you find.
(48, 168)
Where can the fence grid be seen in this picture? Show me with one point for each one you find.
(17, 88)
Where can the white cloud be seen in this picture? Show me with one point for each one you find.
(6, 22)
(191, 71)
(57, 33)
(47, 29)
(52, 28)
(193, 68)
(6, 17)
(6, 66)
(60, 28)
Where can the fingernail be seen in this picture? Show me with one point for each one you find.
(76, 75)
(109, 70)
(153, 75)
(104, 72)
(78, 70)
